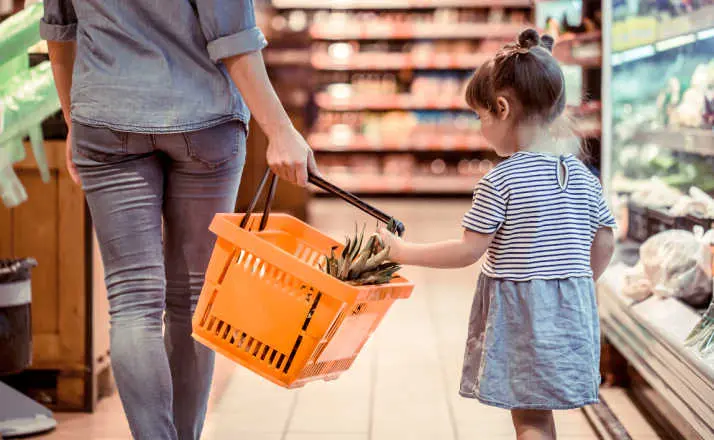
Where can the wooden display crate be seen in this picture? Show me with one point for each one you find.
(70, 367)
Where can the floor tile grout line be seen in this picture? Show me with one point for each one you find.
(373, 391)
(444, 373)
(291, 414)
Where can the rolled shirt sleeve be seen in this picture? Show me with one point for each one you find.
(229, 27)
(59, 22)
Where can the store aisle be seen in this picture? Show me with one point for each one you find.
(404, 385)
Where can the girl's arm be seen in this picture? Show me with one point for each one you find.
(601, 251)
(450, 254)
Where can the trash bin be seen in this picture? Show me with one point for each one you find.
(15, 321)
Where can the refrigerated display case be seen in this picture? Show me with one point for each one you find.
(658, 171)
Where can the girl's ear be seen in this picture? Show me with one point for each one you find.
(504, 108)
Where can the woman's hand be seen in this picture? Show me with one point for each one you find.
(289, 156)
(71, 168)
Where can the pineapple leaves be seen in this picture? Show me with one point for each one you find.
(362, 262)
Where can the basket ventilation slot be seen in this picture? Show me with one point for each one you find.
(249, 344)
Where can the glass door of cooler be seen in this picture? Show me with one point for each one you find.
(658, 92)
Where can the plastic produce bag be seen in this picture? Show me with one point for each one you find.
(637, 286)
(27, 97)
(678, 264)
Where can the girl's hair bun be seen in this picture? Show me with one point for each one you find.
(528, 38)
(547, 42)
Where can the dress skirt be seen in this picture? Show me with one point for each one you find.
(533, 344)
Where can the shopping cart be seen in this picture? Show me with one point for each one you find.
(267, 304)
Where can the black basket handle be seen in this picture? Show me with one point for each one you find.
(324, 185)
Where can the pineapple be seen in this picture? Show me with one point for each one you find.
(362, 265)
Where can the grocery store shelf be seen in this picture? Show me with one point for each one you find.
(662, 45)
(407, 185)
(650, 335)
(397, 4)
(694, 141)
(287, 57)
(582, 50)
(390, 102)
(399, 61)
(324, 142)
(408, 31)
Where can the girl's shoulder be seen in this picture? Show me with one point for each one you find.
(521, 166)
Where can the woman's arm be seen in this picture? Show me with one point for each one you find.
(450, 254)
(235, 40)
(62, 55)
(288, 154)
(601, 251)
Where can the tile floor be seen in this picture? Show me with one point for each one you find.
(402, 387)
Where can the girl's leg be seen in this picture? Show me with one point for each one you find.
(124, 185)
(533, 424)
(202, 178)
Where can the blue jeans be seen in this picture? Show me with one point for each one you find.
(152, 198)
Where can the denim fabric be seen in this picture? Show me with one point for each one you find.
(533, 344)
(151, 66)
(136, 185)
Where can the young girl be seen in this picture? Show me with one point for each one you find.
(533, 341)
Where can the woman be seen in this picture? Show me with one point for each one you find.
(159, 104)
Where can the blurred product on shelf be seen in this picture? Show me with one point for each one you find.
(403, 174)
(384, 55)
(691, 106)
(659, 195)
(441, 23)
(673, 264)
(397, 130)
(642, 36)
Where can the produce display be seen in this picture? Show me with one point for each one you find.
(689, 102)
(675, 264)
(702, 335)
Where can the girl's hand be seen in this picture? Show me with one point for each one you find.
(395, 244)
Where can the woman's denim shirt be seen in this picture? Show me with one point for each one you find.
(153, 66)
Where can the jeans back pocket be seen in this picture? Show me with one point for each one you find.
(99, 144)
(216, 145)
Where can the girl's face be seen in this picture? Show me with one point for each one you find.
(499, 130)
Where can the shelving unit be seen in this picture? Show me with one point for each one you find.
(413, 139)
(656, 123)
(580, 53)
(640, 37)
(686, 140)
(397, 4)
(650, 336)
(436, 143)
(403, 31)
(387, 79)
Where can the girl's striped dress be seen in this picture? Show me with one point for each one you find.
(534, 339)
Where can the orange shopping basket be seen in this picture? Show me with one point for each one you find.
(267, 305)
